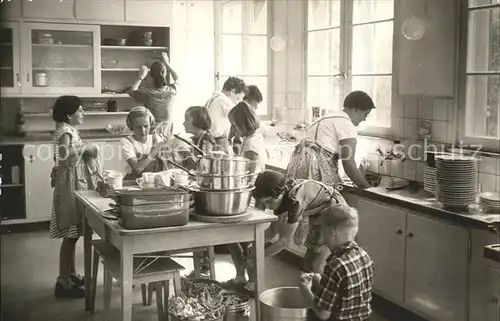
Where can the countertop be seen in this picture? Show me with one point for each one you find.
(422, 202)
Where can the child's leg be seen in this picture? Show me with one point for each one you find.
(237, 255)
(67, 258)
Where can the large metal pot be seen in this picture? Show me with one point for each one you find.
(224, 182)
(223, 165)
(284, 303)
(221, 203)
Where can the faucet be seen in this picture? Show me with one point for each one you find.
(390, 155)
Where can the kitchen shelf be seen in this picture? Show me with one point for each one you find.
(119, 69)
(11, 185)
(47, 95)
(6, 68)
(60, 46)
(5, 43)
(62, 69)
(133, 47)
(87, 113)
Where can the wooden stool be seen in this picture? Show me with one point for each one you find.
(155, 272)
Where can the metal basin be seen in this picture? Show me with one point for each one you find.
(283, 304)
(221, 203)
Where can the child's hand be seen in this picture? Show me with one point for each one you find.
(164, 57)
(143, 72)
(306, 280)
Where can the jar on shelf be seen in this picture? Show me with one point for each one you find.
(41, 79)
(46, 39)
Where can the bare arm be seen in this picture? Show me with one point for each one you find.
(284, 240)
(166, 60)
(347, 152)
(66, 151)
(138, 166)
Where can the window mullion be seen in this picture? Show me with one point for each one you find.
(346, 43)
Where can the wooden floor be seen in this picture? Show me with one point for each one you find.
(29, 267)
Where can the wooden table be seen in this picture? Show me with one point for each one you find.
(193, 235)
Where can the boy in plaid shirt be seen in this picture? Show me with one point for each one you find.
(344, 290)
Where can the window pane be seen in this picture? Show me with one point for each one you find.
(379, 88)
(256, 17)
(372, 10)
(474, 3)
(231, 55)
(482, 104)
(232, 17)
(372, 48)
(255, 55)
(324, 92)
(323, 14)
(260, 82)
(484, 41)
(323, 53)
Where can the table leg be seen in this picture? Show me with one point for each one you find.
(127, 259)
(87, 258)
(258, 256)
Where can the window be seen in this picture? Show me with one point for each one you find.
(349, 47)
(482, 74)
(242, 36)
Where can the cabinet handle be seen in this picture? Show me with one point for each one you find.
(399, 232)
(410, 235)
(494, 300)
(18, 79)
(31, 158)
(28, 77)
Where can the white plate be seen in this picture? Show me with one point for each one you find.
(490, 196)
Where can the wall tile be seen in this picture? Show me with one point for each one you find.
(398, 127)
(439, 131)
(411, 107)
(398, 106)
(373, 162)
(451, 133)
(424, 108)
(420, 172)
(440, 109)
(410, 128)
(414, 150)
(409, 170)
(489, 165)
(489, 182)
(397, 168)
(452, 108)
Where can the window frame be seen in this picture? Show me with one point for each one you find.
(218, 82)
(345, 63)
(488, 144)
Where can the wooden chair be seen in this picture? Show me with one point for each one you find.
(148, 269)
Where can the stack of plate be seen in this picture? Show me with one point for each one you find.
(430, 177)
(490, 202)
(456, 181)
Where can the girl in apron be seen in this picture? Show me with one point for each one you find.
(140, 151)
(294, 201)
(72, 161)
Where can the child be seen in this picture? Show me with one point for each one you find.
(198, 122)
(140, 150)
(344, 290)
(253, 97)
(69, 174)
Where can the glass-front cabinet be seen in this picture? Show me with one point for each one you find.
(60, 58)
(9, 63)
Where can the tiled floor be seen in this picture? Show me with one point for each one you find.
(29, 267)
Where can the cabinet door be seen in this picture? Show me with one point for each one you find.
(61, 58)
(100, 10)
(11, 10)
(152, 12)
(49, 9)
(10, 63)
(38, 166)
(381, 234)
(422, 71)
(484, 281)
(436, 268)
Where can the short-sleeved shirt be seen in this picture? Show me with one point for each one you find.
(218, 107)
(255, 143)
(157, 100)
(303, 198)
(130, 148)
(328, 131)
(345, 288)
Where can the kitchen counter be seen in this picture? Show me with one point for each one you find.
(421, 202)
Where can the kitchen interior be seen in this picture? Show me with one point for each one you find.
(431, 67)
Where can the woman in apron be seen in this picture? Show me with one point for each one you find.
(140, 150)
(326, 141)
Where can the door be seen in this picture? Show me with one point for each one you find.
(482, 299)
(100, 10)
(381, 234)
(38, 166)
(10, 63)
(49, 9)
(436, 268)
(61, 59)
